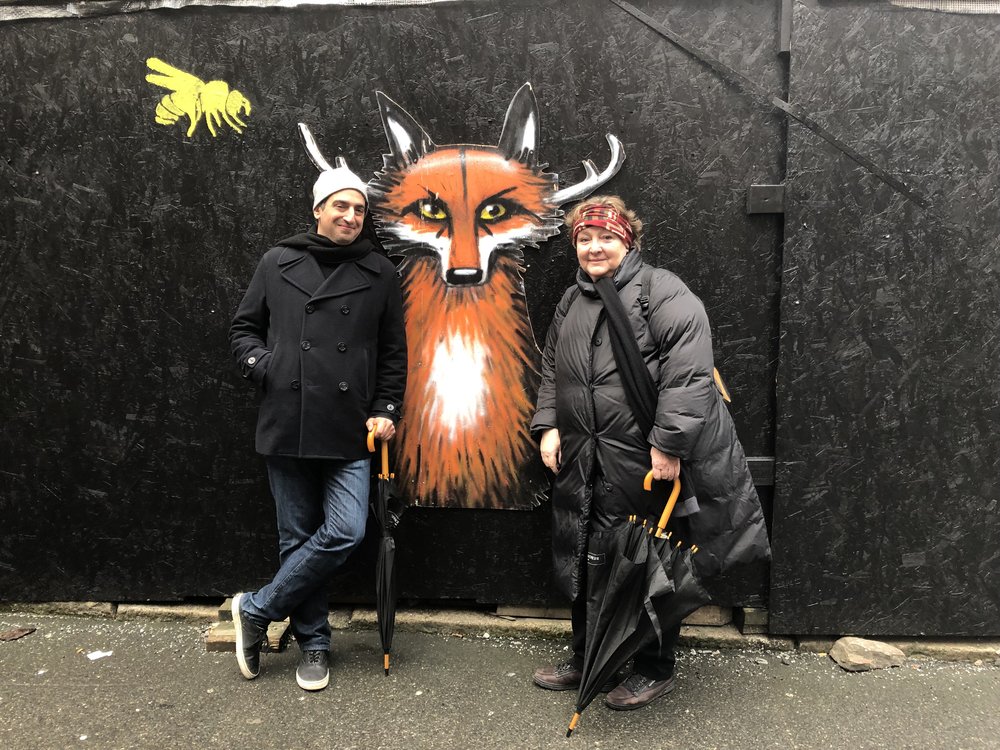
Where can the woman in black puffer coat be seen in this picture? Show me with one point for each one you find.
(589, 438)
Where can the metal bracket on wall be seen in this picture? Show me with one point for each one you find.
(766, 199)
(785, 27)
(762, 470)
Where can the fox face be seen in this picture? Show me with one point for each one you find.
(463, 205)
(467, 216)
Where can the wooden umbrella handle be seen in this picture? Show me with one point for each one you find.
(385, 455)
(675, 492)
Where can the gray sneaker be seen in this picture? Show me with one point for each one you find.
(313, 672)
(249, 639)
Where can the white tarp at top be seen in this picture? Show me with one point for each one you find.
(951, 6)
(19, 10)
(12, 10)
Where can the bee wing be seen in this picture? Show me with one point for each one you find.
(171, 78)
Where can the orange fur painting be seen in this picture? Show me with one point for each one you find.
(460, 217)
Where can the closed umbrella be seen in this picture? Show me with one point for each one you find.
(686, 592)
(645, 586)
(385, 567)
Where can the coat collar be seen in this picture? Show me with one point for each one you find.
(300, 269)
(625, 272)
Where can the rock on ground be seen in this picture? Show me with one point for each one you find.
(860, 655)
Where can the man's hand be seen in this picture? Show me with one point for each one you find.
(551, 450)
(384, 428)
(665, 466)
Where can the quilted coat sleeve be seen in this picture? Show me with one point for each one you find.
(687, 391)
(545, 406)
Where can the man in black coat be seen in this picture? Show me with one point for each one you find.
(320, 331)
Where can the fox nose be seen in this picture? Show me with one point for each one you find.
(463, 276)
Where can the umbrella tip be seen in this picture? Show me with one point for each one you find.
(572, 723)
(385, 665)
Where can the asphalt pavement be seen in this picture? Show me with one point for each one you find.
(157, 687)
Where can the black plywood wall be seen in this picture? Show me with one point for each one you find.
(886, 507)
(126, 462)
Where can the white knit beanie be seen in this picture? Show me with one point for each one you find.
(332, 181)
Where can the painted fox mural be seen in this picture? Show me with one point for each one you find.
(460, 217)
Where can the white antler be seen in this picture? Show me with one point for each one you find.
(593, 180)
(313, 150)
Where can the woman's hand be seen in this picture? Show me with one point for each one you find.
(551, 450)
(665, 466)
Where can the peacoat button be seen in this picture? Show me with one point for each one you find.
(295, 385)
(341, 347)
(345, 310)
(306, 346)
(597, 342)
(310, 309)
(344, 386)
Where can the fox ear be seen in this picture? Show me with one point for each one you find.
(520, 127)
(407, 140)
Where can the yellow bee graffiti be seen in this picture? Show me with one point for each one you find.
(193, 98)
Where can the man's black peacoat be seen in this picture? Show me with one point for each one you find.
(327, 352)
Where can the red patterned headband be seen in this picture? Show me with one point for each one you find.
(606, 218)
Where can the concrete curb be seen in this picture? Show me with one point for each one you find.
(473, 624)
(465, 623)
(79, 609)
(942, 649)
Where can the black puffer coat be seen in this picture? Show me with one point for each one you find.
(582, 395)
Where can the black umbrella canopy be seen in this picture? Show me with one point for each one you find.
(385, 568)
(639, 586)
(385, 595)
(622, 578)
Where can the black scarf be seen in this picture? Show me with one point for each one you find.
(640, 390)
(328, 253)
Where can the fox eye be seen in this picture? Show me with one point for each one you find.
(492, 211)
(433, 209)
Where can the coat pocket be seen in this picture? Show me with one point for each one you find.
(268, 364)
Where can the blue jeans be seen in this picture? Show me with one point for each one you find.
(322, 507)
